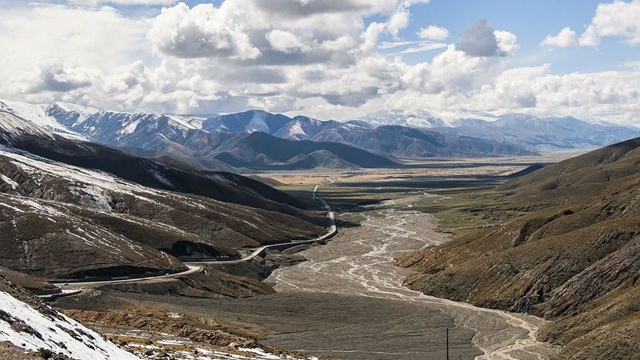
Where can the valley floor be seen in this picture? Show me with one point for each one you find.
(347, 301)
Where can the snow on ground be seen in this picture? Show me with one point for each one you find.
(38, 166)
(14, 185)
(151, 345)
(191, 124)
(296, 131)
(130, 128)
(82, 111)
(16, 126)
(37, 116)
(59, 334)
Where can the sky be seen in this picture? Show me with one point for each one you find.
(327, 59)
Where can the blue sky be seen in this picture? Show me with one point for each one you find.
(327, 59)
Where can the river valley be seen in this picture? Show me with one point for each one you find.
(347, 301)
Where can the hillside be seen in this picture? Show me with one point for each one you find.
(569, 253)
(405, 142)
(28, 324)
(263, 151)
(72, 210)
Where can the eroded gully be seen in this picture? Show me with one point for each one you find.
(359, 262)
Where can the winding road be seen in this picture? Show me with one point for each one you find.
(70, 288)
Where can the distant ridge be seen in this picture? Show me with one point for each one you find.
(395, 134)
(263, 151)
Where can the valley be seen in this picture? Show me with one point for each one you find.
(357, 262)
(347, 300)
(319, 180)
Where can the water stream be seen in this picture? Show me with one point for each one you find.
(359, 262)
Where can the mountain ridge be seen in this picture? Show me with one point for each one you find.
(75, 209)
(566, 250)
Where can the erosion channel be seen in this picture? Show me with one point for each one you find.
(347, 301)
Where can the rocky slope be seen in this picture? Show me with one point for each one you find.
(29, 324)
(80, 209)
(569, 253)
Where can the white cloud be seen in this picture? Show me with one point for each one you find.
(423, 47)
(203, 31)
(617, 19)
(122, 2)
(621, 19)
(507, 42)
(479, 40)
(565, 38)
(318, 58)
(434, 33)
(399, 20)
(286, 42)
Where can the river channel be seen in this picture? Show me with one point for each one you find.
(347, 301)
(381, 319)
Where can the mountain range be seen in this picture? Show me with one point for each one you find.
(74, 209)
(223, 142)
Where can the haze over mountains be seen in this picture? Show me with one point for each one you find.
(221, 142)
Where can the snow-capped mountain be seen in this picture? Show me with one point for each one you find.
(305, 128)
(409, 118)
(543, 133)
(38, 115)
(90, 210)
(198, 141)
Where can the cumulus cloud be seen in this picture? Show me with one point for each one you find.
(398, 21)
(320, 58)
(57, 77)
(285, 41)
(617, 19)
(507, 42)
(479, 40)
(565, 38)
(434, 33)
(621, 19)
(304, 8)
(200, 32)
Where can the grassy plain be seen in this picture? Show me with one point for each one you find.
(458, 187)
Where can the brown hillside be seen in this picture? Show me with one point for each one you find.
(570, 252)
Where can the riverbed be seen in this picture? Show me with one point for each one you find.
(347, 301)
(393, 321)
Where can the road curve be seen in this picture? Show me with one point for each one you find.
(76, 285)
(332, 231)
(73, 287)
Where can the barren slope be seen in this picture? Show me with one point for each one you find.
(570, 254)
(62, 220)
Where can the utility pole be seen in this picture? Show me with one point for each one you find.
(447, 343)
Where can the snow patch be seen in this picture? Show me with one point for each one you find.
(36, 115)
(296, 131)
(130, 128)
(59, 334)
(14, 185)
(258, 123)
